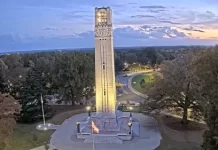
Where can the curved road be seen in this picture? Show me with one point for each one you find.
(127, 94)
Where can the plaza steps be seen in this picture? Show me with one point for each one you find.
(103, 139)
(135, 128)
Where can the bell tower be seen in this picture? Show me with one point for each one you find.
(104, 62)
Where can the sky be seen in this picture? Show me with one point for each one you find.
(54, 24)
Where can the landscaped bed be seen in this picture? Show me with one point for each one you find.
(141, 82)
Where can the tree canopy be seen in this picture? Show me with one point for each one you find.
(176, 89)
(207, 75)
(9, 109)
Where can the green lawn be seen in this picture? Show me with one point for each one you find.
(26, 137)
(149, 79)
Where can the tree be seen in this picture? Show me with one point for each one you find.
(9, 109)
(131, 58)
(176, 88)
(160, 58)
(3, 69)
(119, 65)
(73, 75)
(207, 75)
(152, 55)
(32, 88)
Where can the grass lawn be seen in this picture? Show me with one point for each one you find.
(148, 77)
(26, 137)
(178, 139)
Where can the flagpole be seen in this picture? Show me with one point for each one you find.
(43, 115)
(93, 145)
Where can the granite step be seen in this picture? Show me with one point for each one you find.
(103, 139)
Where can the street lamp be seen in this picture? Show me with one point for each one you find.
(130, 110)
(78, 127)
(130, 125)
(45, 128)
(88, 108)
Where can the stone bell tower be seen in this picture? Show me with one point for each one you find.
(104, 62)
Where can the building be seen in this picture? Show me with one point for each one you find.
(109, 124)
(104, 62)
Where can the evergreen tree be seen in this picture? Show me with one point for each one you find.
(30, 96)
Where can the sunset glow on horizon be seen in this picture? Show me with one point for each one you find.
(70, 24)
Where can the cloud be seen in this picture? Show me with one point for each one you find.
(132, 3)
(189, 34)
(86, 39)
(214, 38)
(156, 10)
(143, 16)
(162, 32)
(73, 15)
(192, 29)
(170, 22)
(50, 29)
(153, 7)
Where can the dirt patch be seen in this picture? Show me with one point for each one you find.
(175, 124)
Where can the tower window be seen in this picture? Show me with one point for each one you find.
(104, 92)
(103, 66)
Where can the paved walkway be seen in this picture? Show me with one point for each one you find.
(64, 138)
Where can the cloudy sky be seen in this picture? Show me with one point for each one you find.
(46, 24)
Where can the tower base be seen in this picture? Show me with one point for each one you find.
(106, 122)
(112, 128)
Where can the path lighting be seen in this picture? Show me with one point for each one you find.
(88, 108)
(130, 125)
(78, 127)
(45, 128)
(130, 110)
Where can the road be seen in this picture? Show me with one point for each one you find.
(127, 93)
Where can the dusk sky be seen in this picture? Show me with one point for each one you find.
(47, 24)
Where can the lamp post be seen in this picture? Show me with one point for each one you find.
(130, 125)
(130, 111)
(88, 108)
(78, 127)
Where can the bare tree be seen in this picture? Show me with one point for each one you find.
(176, 88)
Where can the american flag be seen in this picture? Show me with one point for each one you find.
(95, 128)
